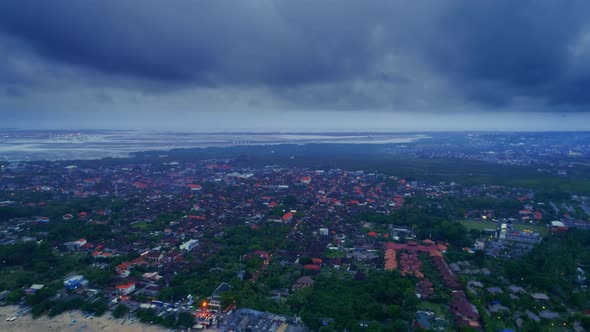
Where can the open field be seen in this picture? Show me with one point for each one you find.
(543, 230)
(481, 225)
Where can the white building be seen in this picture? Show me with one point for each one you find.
(480, 244)
(189, 245)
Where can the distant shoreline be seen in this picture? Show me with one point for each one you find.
(21, 146)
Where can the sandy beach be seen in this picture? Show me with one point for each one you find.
(70, 321)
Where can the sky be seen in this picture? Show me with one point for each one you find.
(282, 65)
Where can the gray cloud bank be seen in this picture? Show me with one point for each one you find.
(430, 56)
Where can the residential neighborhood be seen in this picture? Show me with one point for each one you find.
(152, 230)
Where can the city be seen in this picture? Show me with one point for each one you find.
(294, 166)
(164, 239)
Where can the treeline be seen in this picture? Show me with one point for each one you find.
(24, 264)
(385, 300)
(45, 301)
(27, 254)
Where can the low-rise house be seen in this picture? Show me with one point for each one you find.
(125, 289)
(548, 314)
(495, 290)
(465, 313)
(516, 289)
(287, 217)
(152, 276)
(34, 289)
(302, 282)
(75, 282)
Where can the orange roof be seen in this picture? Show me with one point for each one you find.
(125, 286)
(435, 254)
(390, 260)
(311, 267)
(124, 266)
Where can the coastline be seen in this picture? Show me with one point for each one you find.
(48, 145)
(71, 321)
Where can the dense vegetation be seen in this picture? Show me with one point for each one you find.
(552, 266)
(385, 300)
(27, 263)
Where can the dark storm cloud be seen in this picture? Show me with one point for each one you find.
(356, 53)
(13, 92)
(198, 42)
(513, 48)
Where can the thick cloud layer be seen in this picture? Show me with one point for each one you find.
(329, 54)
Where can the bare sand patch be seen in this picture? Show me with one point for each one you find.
(73, 321)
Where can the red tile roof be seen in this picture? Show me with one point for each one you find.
(125, 286)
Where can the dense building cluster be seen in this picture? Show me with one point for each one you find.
(166, 216)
